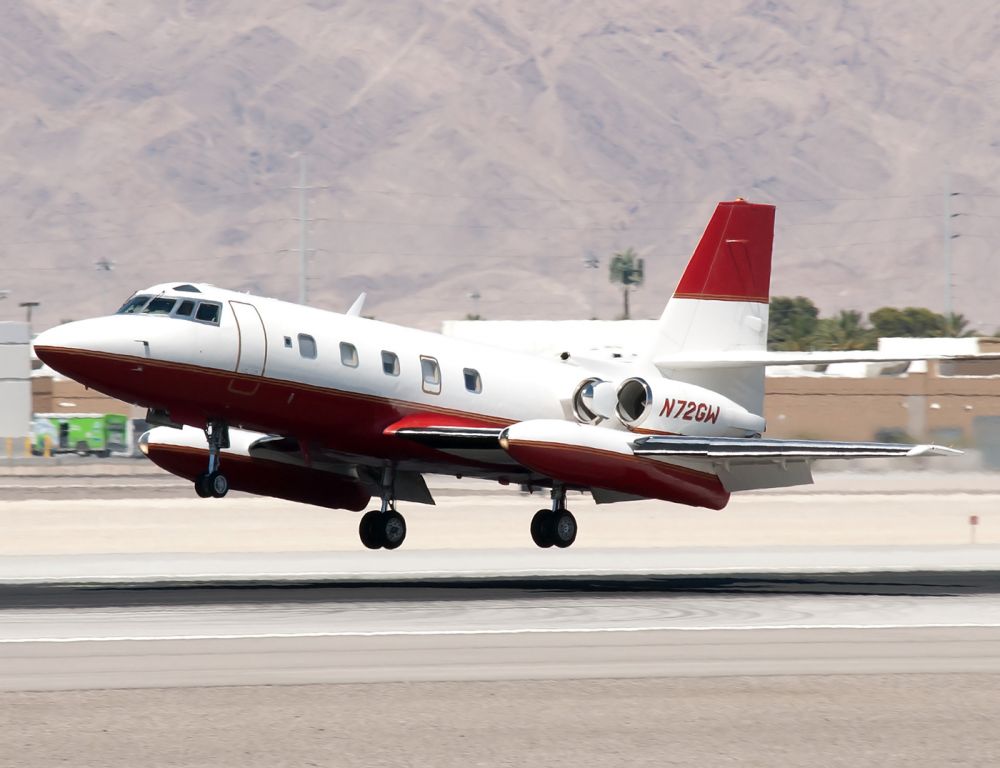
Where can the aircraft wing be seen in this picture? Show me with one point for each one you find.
(445, 438)
(744, 464)
(463, 438)
(767, 449)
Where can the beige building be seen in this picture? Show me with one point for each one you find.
(953, 409)
(54, 394)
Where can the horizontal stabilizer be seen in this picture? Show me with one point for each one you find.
(743, 358)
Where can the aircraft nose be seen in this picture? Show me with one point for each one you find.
(55, 345)
(73, 349)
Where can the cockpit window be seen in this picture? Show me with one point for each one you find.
(208, 313)
(186, 308)
(133, 305)
(159, 306)
(186, 287)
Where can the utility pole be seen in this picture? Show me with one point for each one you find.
(946, 245)
(591, 261)
(303, 221)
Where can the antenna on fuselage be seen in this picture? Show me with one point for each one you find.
(358, 306)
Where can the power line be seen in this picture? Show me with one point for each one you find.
(707, 200)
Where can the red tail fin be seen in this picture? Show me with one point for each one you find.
(733, 259)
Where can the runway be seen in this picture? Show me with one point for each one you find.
(788, 630)
(797, 669)
(164, 635)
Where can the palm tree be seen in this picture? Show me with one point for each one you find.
(845, 330)
(955, 325)
(626, 269)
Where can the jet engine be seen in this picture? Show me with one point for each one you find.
(594, 401)
(674, 407)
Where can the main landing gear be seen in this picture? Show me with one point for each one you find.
(556, 526)
(383, 528)
(212, 482)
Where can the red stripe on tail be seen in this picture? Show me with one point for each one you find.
(733, 259)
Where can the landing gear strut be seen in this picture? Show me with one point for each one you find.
(212, 482)
(555, 526)
(383, 528)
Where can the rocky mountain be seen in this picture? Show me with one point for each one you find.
(472, 148)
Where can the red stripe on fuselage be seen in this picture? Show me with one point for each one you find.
(348, 422)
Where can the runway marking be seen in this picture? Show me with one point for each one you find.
(474, 632)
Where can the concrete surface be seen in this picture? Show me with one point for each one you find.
(876, 721)
(852, 626)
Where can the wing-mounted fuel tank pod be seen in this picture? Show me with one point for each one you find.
(253, 466)
(585, 456)
(666, 406)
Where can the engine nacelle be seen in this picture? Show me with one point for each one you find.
(674, 407)
(595, 400)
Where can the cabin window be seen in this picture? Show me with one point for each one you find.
(208, 313)
(133, 305)
(348, 354)
(185, 309)
(390, 363)
(159, 306)
(473, 381)
(431, 374)
(288, 342)
(307, 346)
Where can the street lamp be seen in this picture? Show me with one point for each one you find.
(475, 296)
(28, 306)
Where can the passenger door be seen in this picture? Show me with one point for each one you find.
(252, 355)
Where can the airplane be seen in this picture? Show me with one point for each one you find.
(284, 400)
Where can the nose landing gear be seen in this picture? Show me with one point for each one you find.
(383, 528)
(212, 482)
(555, 526)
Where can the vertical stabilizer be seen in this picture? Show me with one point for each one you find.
(721, 302)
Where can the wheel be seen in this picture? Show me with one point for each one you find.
(218, 484)
(562, 528)
(369, 529)
(82, 449)
(201, 485)
(393, 529)
(540, 529)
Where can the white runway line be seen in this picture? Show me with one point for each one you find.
(474, 632)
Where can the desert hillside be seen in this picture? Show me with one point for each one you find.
(457, 148)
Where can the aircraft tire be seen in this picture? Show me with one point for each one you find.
(218, 484)
(562, 528)
(541, 529)
(369, 529)
(392, 528)
(201, 486)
